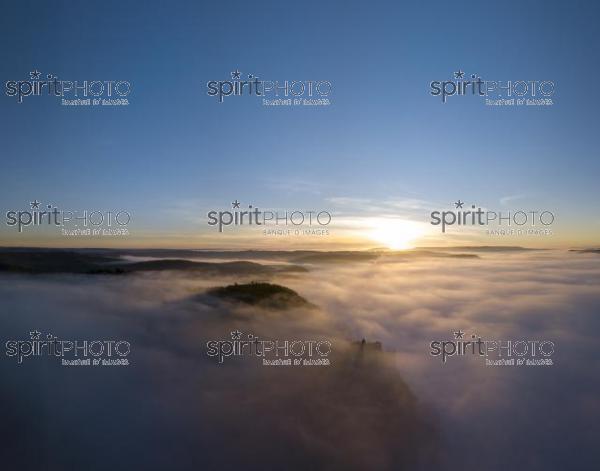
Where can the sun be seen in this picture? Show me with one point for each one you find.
(395, 234)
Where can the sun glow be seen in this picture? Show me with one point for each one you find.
(395, 234)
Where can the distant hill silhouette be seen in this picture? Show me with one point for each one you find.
(58, 261)
(585, 250)
(52, 262)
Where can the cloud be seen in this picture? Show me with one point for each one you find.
(506, 200)
(401, 207)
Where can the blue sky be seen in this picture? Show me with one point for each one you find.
(384, 138)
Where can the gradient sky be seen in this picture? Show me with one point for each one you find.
(382, 146)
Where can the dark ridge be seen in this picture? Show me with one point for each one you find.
(585, 250)
(54, 261)
(429, 253)
(335, 257)
(480, 248)
(225, 268)
(57, 261)
(292, 256)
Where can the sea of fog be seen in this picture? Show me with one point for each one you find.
(174, 407)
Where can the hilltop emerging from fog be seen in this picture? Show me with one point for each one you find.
(261, 294)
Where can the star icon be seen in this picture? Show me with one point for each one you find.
(459, 335)
(236, 74)
(35, 74)
(459, 204)
(459, 74)
(235, 204)
(236, 335)
(35, 204)
(35, 335)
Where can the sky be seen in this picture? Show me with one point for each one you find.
(383, 150)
